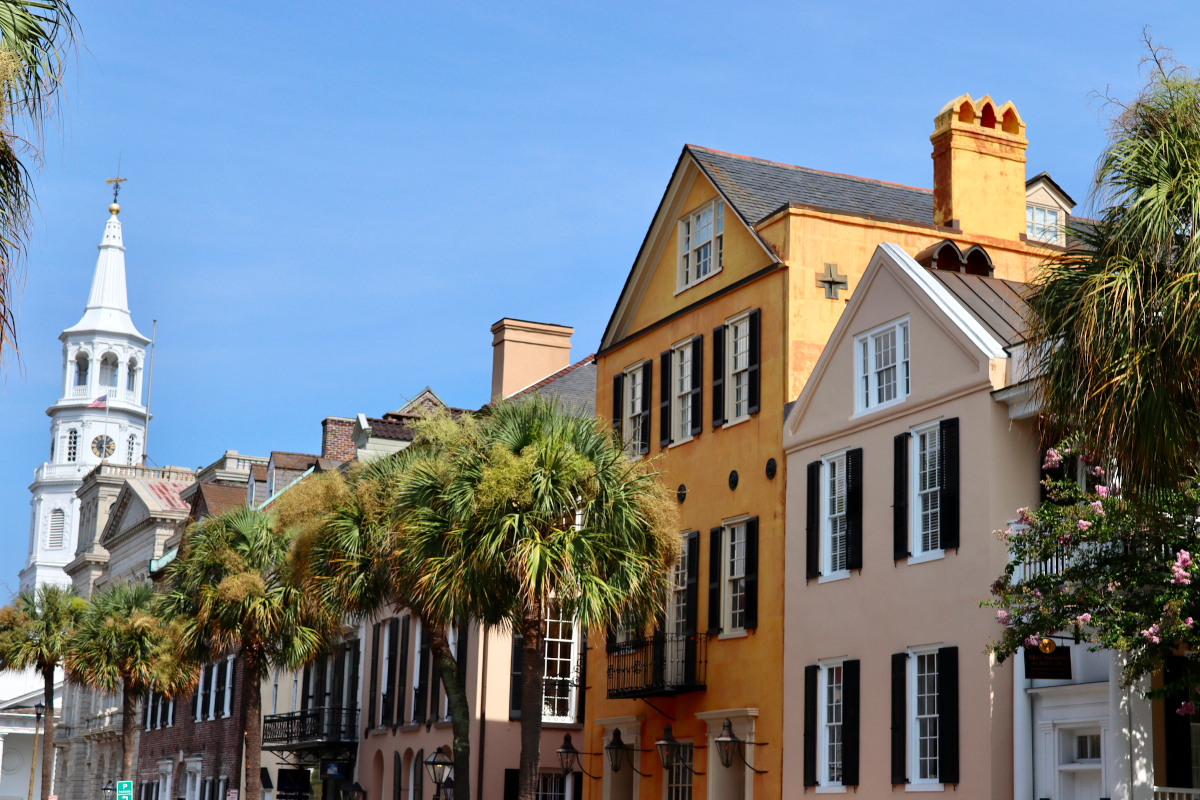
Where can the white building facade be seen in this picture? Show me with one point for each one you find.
(103, 357)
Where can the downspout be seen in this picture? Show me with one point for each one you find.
(483, 671)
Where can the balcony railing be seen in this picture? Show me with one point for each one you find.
(659, 665)
(1167, 793)
(314, 726)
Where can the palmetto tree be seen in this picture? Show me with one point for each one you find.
(35, 632)
(121, 644)
(1115, 320)
(229, 591)
(35, 36)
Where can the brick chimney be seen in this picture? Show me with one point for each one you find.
(525, 352)
(979, 168)
(336, 439)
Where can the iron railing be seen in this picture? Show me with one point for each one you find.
(313, 725)
(658, 665)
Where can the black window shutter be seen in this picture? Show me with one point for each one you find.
(461, 639)
(355, 656)
(577, 785)
(647, 392)
(947, 681)
(899, 717)
(751, 573)
(718, 379)
(752, 372)
(851, 672)
(948, 469)
(418, 777)
(196, 703)
(714, 581)
(374, 677)
(218, 706)
(581, 695)
(664, 401)
(810, 725)
(512, 784)
(691, 546)
(854, 508)
(388, 709)
(900, 498)
(402, 683)
(422, 687)
(435, 690)
(812, 530)
(619, 405)
(514, 680)
(1178, 733)
(397, 776)
(306, 690)
(697, 394)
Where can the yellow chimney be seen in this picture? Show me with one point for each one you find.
(524, 352)
(979, 167)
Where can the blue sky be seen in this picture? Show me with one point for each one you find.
(329, 205)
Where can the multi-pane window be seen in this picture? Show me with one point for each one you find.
(552, 786)
(633, 407)
(926, 717)
(831, 725)
(679, 776)
(677, 620)
(1041, 223)
(701, 243)
(927, 507)
(1087, 747)
(836, 524)
(739, 367)
(881, 364)
(681, 363)
(558, 696)
(735, 575)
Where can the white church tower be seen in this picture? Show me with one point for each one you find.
(103, 357)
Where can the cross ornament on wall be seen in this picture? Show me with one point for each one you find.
(832, 280)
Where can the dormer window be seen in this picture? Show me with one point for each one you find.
(1042, 224)
(882, 375)
(701, 244)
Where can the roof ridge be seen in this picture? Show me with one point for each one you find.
(810, 169)
(553, 376)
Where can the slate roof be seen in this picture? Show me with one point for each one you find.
(300, 461)
(221, 497)
(758, 188)
(258, 472)
(390, 429)
(574, 386)
(996, 303)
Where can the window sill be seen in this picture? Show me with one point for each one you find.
(862, 412)
(924, 787)
(738, 634)
(376, 732)
(411, 726)
(696, 283)
(563, 726)
(932, 555)
(839, 789)
(673, 445)
(836, 576)
(443, 723)
(738, 421)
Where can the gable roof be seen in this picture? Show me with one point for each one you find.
(301, 461)
(574, 386)
(217, 498)
(1045, 176)
(999, 305)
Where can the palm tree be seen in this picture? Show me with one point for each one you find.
(538, 511)
(35, 632)
(230, 592)
(1114, 322)
(35, 36)
(120, 643)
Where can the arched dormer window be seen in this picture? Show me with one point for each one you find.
(132, 452)
(54, 534)
(81, 369)
(131, 379)
(108, 372)
(72, 445)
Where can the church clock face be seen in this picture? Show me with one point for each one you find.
(103, 446)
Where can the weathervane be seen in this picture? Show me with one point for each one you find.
(116, 184)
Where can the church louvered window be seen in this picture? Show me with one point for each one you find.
(72, 445)
(54, 537)
(131, 454)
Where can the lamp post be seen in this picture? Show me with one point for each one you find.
(353, 792)
(670, 752)
(39, 708)
(441, 769)
(109, 790)
(568, 758)
(728, 744)
(618, 751)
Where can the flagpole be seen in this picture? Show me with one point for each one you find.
(106, 436)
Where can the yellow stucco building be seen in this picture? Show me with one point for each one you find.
(745, 270)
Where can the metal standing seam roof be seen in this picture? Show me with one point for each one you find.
(998, 304)
(759, 188)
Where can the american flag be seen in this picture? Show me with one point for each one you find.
(99, 402)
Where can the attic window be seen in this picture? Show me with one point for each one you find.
(701, 244)
(881, 366)
(1042, 224)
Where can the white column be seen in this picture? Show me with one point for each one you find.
(1022, 732)
(1141, 751)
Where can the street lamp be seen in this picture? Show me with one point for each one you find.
(568, 758)
(109, 790)
(728, 743)
(670, 752)
(39, 709)
(618, 751)
(440, 767)
(353, 792)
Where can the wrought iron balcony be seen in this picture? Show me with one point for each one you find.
(658, 666)
(313, 727)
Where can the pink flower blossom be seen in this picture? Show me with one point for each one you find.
(1037, 593)
(1023, 516)
(1083, 524)
(1186, 709)
(1097, 471)
(1032, 640)
(1003, 617)
(1179, 570)
(1053, 458)
(1189, 622)
(1102, 490)
(1084, 618)
(1065, 539)
(1151, 634)
(1097, 508)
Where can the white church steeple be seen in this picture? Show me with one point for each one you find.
(99, 416)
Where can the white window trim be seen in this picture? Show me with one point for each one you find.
(1059, 237)
(826, 544)
(666, 778)
(632, 431)
(727, 629)
(716, 260)
(730, 419)
(678, 401)
(916, 784)
(920, 556)
(861, 399)
(573, 691)
(416, 670)
(824, 786)
(228, 710)
(384, 662)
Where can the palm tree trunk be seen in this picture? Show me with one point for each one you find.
(48, 734)
(454, 680)
(533, 671)
(252, 726)
(128, 729)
